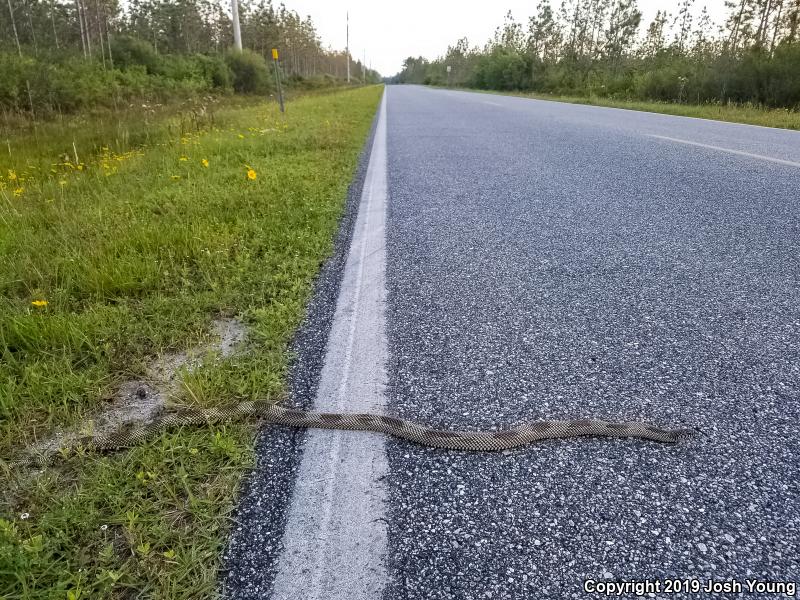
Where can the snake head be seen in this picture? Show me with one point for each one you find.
(685, 434)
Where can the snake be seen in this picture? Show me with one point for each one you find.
(275, 414)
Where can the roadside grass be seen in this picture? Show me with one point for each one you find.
(128, 252)
(733, 113)
(25, 142)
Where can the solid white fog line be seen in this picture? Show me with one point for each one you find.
(334, 545)
(780, 161)
(492, 103)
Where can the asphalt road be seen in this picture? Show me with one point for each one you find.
(548, 260)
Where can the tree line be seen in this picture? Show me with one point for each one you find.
(62, 55)
(600, 48)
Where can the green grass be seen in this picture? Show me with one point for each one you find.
(136, 248)
(733, 113)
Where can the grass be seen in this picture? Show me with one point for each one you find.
(160, 224)
(733, 113)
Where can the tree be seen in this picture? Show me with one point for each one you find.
(622, 27)
(545, 35)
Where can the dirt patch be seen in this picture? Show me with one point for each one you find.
(141, 400)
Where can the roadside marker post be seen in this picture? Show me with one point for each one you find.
(448, 75)
(277, 77)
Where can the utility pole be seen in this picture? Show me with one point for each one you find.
(237, 31)
(346, 48)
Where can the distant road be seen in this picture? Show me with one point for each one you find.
(547, 260)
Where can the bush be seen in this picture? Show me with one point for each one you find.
(215, 71)
(783, 88)
(206, 71)
(132, 52)
(250, 73)
(74, 84)
(313, 83)
(64, 82)
(14, 72)
(69, 83)
(134, 82)
(49, 85)
(502, 70)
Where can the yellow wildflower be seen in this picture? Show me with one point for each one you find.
(204, 162)
(251, 174)
(12, 176)
(175, 177)
(39, 303)
(19, 191)
(183, 158)
(241, 137)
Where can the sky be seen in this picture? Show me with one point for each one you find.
(389, 31)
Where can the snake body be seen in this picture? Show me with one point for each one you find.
(477, 441)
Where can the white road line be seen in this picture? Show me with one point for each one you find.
(335, 542)
(780, 161)
(492, 103)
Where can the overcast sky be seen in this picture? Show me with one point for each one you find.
(389, 31)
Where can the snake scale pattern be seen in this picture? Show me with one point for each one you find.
(477, 441)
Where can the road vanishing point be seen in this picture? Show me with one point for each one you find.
(503, 259)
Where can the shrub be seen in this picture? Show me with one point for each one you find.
(215, 71)
(503, 70)
(250, 73)
(129, 52)
(74, 84)
(14, 72)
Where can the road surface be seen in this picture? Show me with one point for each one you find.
(544, 261)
